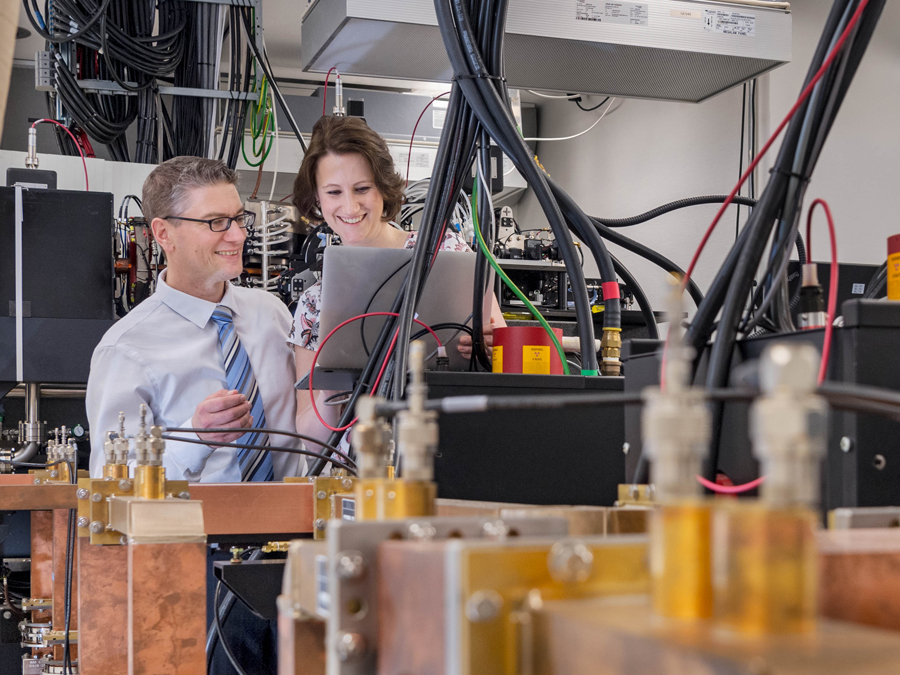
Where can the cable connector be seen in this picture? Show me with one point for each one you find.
(812, 300)
(31, 160)
(611, 352)
(338, 110)
(442, 362)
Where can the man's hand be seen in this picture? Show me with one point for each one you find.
(465, 341)
(226, 410)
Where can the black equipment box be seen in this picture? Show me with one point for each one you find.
(67, 282)
(862, 467)
(533, 456)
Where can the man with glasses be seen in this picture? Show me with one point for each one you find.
(200, 352)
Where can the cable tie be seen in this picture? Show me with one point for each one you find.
(791, 174)
(479, 76)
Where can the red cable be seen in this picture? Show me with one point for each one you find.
(730, 489)
(803, 96)
(312, 368)
(77, 145)
(832, 285)
(325, 90)
(413, 138)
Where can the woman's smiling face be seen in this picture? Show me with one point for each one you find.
(350, 201)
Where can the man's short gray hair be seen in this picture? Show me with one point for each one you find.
(167, 188)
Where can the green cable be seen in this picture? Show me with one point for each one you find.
(512, 286)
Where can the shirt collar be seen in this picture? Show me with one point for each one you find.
(194, 309)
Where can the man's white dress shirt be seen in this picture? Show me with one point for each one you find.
(165, 353)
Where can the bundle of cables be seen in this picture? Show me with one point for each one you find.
(478, 113)
(776, 217)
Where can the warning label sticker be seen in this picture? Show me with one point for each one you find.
(628, 13)
(729, 23)
(536, 360)
(497, 358)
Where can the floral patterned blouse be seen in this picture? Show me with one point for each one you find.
(305, 328)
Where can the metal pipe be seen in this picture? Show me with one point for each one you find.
(33, 402)
(32, 428)
(19, 392)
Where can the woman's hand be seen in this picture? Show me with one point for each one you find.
(465, 341)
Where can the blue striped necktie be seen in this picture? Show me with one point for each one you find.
(256, 465)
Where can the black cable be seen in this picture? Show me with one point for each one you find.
(212, 636)
(277, 432)
(273, 448)
(877, 283)
(737, 215)
(639, 297)
(362, 322)
(218, 624)
(577, 102)
(672, 206)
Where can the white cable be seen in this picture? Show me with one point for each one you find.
(275, 129)
(567, 97)
(569, 138)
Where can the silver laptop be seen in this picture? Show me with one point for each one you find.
(358, 280)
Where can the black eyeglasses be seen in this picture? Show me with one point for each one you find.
(243, 221)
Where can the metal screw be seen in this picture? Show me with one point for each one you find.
(392, 495)
(123, 540)
(879, 462)
(7, 614)
(184, 495)
(570, 561)
(125, 485)
(422, 531)
(634, 492)
(350, 646)
(846, 444)
(495, 529)
(96, 497)
(651, 492)
(37, 481)
(320, 523)
(321, 494)
(82, 493)
(350, 565)
(346, 483)
(83, 521)
(54, 474)
(483, 606)
(236, 553)
(97, 527)
(626, 447)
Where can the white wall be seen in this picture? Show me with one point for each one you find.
(647, 153)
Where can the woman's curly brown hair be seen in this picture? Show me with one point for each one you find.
(341, 136)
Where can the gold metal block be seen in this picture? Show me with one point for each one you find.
(157, 521)
(632, 494)
(93, 504)
(150, 482)
(325, 488)
(385, 499)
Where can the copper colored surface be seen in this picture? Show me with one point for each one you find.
(166, 609)
(621, 636)
(301, 646)
(41, 559)
(255, 508)
(859, 577)
(60, 536)
(411, 615)
(103, 608)
(37, 497)
(16, 479)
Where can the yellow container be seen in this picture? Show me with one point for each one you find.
(680, 564)
(765, 568)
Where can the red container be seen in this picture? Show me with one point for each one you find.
(526, 349)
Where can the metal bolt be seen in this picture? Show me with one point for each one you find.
(83, 521)
(125, 485)
(422, 531)
(54, 474)
(626, 447)
(236, 553)
(96, 497)
(634, 492)
(350, 565)
(570, 560)
(321, 494)
(82, 493)
(846, 444)
(392, 495)
(320, 523)
(879, 462)
(7, 615)
(346, 483)
(350, 646)
(483, 606)
(123, 540)
(37, 481)
(184, 495)
(651, 492)
(97, 527)
(495, 529)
